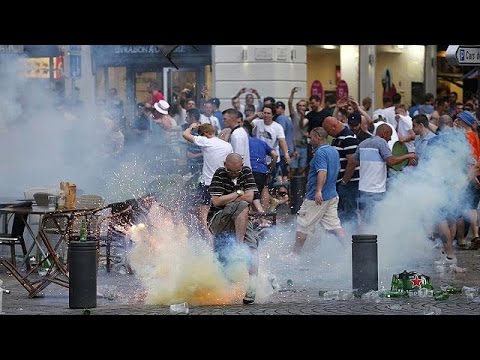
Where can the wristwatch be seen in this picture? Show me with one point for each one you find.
(240, 192)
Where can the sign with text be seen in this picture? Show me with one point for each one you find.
(317, 89)
(463, 55)
(11, 49)
(342, 90)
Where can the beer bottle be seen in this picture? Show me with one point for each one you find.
(83, 231)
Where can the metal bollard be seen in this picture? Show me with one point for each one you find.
(298, 188)
(364, 263)
(82, 267)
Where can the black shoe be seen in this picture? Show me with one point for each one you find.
(249, 297)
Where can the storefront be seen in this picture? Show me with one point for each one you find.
(129, 68)
(386, 70)
(38, 67)
(45, 64)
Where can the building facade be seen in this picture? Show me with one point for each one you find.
(273, 70)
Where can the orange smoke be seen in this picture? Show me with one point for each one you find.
(174, 269)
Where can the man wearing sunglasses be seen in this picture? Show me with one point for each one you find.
(232, 189)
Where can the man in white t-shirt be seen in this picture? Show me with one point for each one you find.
(238, 135)
(387, 112)
(271, 132)
(208, 118)
(405, 127)
(214, 151)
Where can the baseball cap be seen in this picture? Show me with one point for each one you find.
(467, 117)
(354, 119)
(280, 103)
(215, 101)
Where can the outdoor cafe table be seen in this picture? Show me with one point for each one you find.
(57, 271)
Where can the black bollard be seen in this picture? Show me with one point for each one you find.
(298, 188)
(82, 267)
(364, 263)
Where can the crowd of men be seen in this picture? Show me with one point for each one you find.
(246, 155)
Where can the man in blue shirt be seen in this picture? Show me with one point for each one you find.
(321, 201)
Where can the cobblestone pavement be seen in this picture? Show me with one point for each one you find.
(54, 301)
(290, 300)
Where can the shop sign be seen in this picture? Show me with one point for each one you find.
(342, 90)
(317, 89)
(11, 49)
(137, 49)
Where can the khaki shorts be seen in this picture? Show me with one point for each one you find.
(310, 214)
(223, 221)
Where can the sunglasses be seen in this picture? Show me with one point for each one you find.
(232, 171)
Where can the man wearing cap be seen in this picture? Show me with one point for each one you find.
(164, 134)
(466, 121)
(355, 124)
(161, 117)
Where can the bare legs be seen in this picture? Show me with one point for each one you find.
(446, 235)
(302, 237)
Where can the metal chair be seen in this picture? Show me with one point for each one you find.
(15, 238)
(122, 216)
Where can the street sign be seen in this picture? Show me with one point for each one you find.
(463, 55)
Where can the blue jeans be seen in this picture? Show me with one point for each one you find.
(347, 204)
(367, 202)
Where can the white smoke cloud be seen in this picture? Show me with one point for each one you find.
(417, 198)
(44, 141)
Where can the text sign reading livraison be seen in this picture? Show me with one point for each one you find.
(463, 55)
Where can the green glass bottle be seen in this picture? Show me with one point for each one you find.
(453, 290)
(83, 231)
(443, 296)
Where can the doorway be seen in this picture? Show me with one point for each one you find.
(142, 78)
(178, 80)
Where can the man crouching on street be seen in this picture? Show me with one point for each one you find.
(232, 190)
